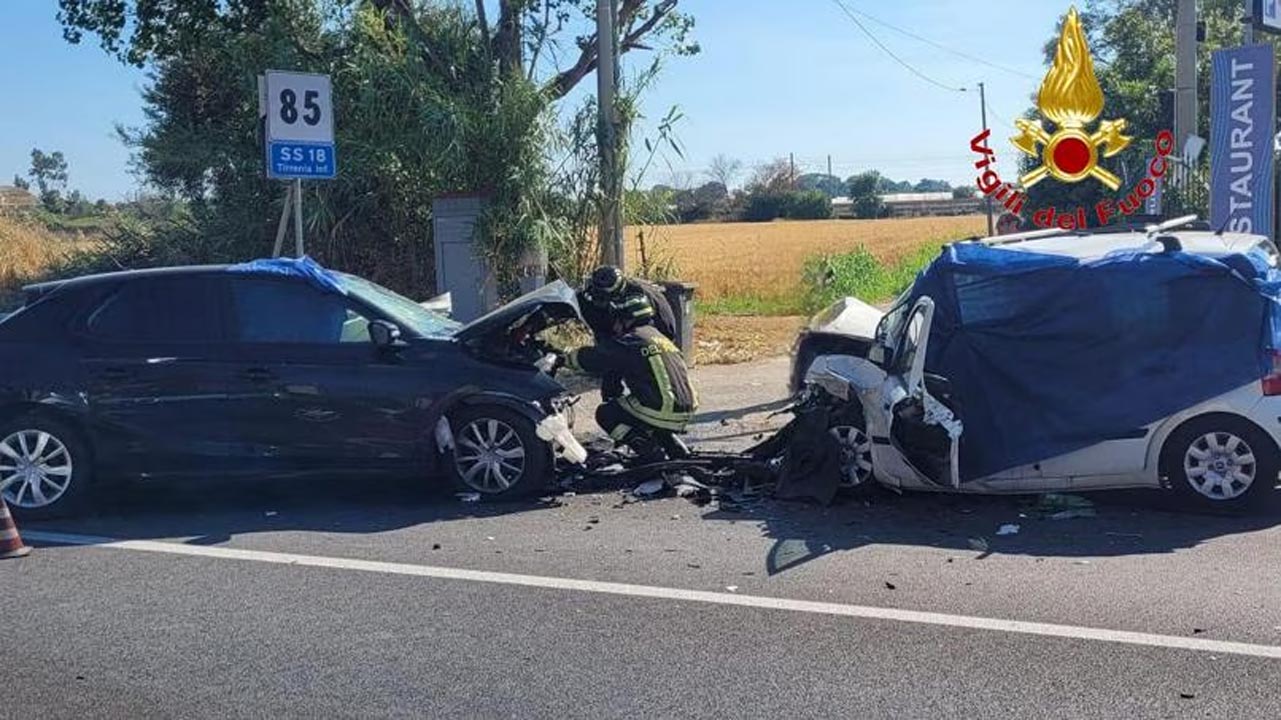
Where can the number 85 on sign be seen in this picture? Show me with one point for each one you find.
(298, 119)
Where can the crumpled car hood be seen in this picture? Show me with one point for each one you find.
(848, 316)
(557, 298)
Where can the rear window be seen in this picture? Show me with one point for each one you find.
(186, 309)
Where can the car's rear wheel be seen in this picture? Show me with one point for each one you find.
(1221, 462)
(497, 453)
(44, 466)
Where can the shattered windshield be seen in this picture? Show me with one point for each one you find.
(404, 311)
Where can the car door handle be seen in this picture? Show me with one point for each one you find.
(259, 375)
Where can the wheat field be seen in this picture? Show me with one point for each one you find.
(766, 259)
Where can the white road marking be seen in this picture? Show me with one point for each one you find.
(918, 617)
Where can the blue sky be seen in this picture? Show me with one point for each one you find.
(774, 76)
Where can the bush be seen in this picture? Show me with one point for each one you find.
(763, 206)
(808, 205)
(766, 205)
(862, 275)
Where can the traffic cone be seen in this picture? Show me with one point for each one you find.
(10, 541)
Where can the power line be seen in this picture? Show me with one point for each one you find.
(959, 53)
(890, 52)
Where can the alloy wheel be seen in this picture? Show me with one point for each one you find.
(1220, 465)
(35, 469)
(490, 456)
(856, 455)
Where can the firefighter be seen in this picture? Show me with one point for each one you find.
(609, 293)
(656, 399)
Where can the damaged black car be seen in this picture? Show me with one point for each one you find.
(269, 368)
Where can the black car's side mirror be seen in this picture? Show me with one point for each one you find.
(383, 334)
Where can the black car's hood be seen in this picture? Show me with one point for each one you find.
(556, 299)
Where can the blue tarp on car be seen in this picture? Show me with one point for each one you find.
(303, 267)
(1048, 354)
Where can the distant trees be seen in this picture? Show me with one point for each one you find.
(829, 185)
(724, 170)
(864, 191)
(965, 192)
(49, 170)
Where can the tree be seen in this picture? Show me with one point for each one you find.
(829, 185)
(432, 98)
(928, 185)
(708, 200)
(524, 32)
(49, 170)
(21, 183)
(864, 191)
(964, 192)
(724, 170)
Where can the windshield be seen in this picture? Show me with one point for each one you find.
(404, 311)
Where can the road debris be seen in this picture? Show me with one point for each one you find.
(1187, 695)
(1060, 506)
(435, 546)
(650, 488)
(468, 497)
(1008, 529)
(732, 588)
(270, 513)
(979, 544)
(890, 586)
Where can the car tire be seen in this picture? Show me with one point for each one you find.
(497, 453)
(1221, 462)
(849, 429)
(48, 465)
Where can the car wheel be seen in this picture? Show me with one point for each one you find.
(497, 453)
(1221, 462)
(849, 429)
(45, 467)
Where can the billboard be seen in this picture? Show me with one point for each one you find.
(1267, 15)
(1242, 123)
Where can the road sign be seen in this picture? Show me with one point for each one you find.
(299, 123)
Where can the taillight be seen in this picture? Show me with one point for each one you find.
(1272, 381)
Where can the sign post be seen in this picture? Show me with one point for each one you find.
(1242, 125)
(298, 124)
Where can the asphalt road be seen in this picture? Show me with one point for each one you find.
(342, 599)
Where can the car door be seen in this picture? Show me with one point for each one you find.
(304, 359)
(922, 430)
(158, 374)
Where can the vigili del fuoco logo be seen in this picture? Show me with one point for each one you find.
(1071, 99)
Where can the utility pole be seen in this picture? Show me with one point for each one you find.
(829, 164)
(1185, 101)
(611, 174)
(991, 224)
(791, 168)
(1247, 32)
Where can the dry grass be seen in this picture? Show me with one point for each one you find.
(726, 339)
(27, 249)
(764, 260)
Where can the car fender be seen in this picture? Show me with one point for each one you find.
(1241, 402)
(471, 395)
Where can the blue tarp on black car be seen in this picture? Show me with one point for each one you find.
(1047, 354)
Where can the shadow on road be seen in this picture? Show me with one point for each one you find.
(1126, 523)
(213, 512)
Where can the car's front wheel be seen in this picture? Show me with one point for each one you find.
(1221, 461)
(44, 466)
(497, 453)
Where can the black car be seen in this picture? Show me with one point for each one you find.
(269, 368)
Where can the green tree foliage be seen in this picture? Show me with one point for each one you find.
(21, 183)
(430, 98)
(49, 170)
(964, 192)
(928, 185)
(829, 185)
(865, 190)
